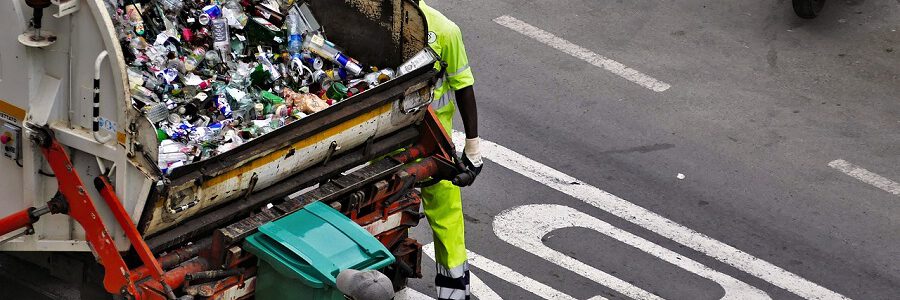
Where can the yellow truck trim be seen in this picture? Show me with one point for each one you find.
(12, 110)
(259, 162)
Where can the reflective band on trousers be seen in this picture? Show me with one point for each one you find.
(456, 272)
(453, 284)
(452, 294)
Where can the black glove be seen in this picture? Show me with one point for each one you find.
(470, 166)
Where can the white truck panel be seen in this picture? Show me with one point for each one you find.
(53, 86)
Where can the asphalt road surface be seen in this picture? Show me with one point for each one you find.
(683, 150)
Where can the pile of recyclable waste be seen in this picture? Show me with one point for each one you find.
(212, 75)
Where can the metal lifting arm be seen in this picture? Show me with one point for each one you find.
(21, 219)
(109, 195)
(73, 199)
(26, 217)
(116, 279)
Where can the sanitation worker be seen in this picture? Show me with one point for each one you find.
(443, 202)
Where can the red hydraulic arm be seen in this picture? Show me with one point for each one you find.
(74, 200)
(16, 221)
(81, 208)
(109, 195)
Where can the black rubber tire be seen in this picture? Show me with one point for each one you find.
(808, 9)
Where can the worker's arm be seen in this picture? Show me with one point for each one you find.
(465, 99)
(468, 110)
(461, 79)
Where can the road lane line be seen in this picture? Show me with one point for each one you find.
(525, 226)
(526, 233)
(509, 275)
(411, 294)
(866, 176)
(479, 290)
(650, 220)
(582, 53)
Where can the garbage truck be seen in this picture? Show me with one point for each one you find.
(88, 205)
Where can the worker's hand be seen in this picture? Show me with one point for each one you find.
(472, 157)
(472, 154)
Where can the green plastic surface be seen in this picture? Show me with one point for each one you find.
(310, 247)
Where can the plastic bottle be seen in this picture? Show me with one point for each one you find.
(235, 15)
(238, 44)
(191, 62)
(144, 94)
(139, 43)
(243, 103)
(171, 6)
(263, 59)
(212, 58)
(295, 40)
(151, 82)
(133, 12)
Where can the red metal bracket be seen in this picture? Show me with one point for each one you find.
(434, 154)
(140, 246)
(116, 278)
(434, 142)
(109, 195)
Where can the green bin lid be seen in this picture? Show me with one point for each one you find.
(315, 243)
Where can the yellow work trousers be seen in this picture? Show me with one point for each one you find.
(443, 208)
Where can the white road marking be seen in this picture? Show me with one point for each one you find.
(507, 274)
(582, 53)
(650, 220)
(480, 290)
(865, 176)
(411, 294)
(525, 226)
